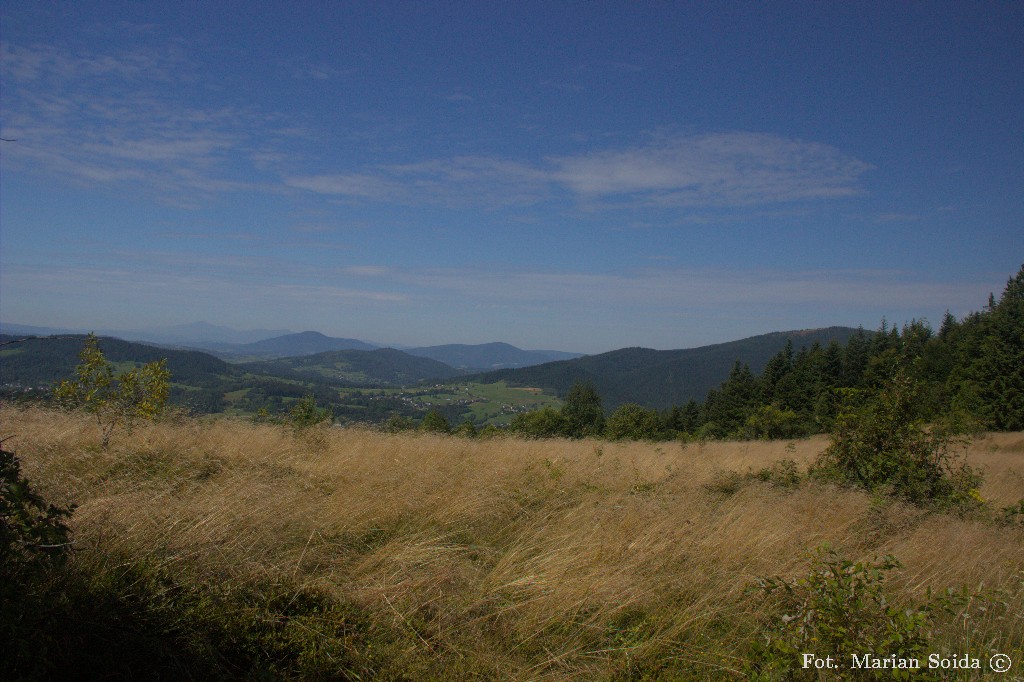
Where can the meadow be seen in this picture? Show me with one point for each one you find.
(257, 551)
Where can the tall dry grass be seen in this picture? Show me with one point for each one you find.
(510, 558)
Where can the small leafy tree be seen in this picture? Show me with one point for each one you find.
(435, 422)
(582, 410)
(116, 401)
(305, 413)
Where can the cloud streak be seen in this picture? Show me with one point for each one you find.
(120, 119)
(718, 170)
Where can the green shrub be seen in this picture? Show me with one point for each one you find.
(304, 414)
(784, 473)
(467, 429)
(397, 423)
(633, 422)
(771, 422)
(840, 610)
(879, 443)
(490, 431)
(1013, 514)
(837, 610)
(546, 422)
(34, 544)
(31, 531)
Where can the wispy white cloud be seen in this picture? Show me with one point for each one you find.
(718, 170)
(118, 119)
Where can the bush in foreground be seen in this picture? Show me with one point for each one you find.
(882, 445)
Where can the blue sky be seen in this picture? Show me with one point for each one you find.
(579, 176)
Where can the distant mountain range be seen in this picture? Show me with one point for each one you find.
(649, 377)
(262, 344)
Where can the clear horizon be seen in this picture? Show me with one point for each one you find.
(558, 176)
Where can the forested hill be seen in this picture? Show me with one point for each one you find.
(289, 345)
(44, 361)
(662, 378)
(384, 366)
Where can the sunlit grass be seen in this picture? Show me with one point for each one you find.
(508, 558)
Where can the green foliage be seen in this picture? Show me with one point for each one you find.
(784, 474)
(31, 531)
(139, 393)
(880, 443)
(633, 422)
(490, 431)
(582, 411)
(730, 406)
(1013, 514)
(34, 542)
(435, 422)
(838, 609)
(397, 423)
(467, 429)
(546, 422)
(305, 414)
(135, 620)
(988, 380)
(770, 422)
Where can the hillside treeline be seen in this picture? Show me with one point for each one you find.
(968, 375)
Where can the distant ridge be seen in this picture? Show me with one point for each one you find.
(199, 334)
(381, 366)
(289, 345)
(46, 360)
(662, 378)
(202, 335)
(489, 356)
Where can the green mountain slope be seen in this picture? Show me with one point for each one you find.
(384, 366)
(661, 378)
(46, 360)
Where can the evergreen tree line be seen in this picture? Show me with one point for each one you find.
(968, 376)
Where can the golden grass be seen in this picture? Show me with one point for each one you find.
(510, 558)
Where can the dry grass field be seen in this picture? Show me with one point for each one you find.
(513, 559)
